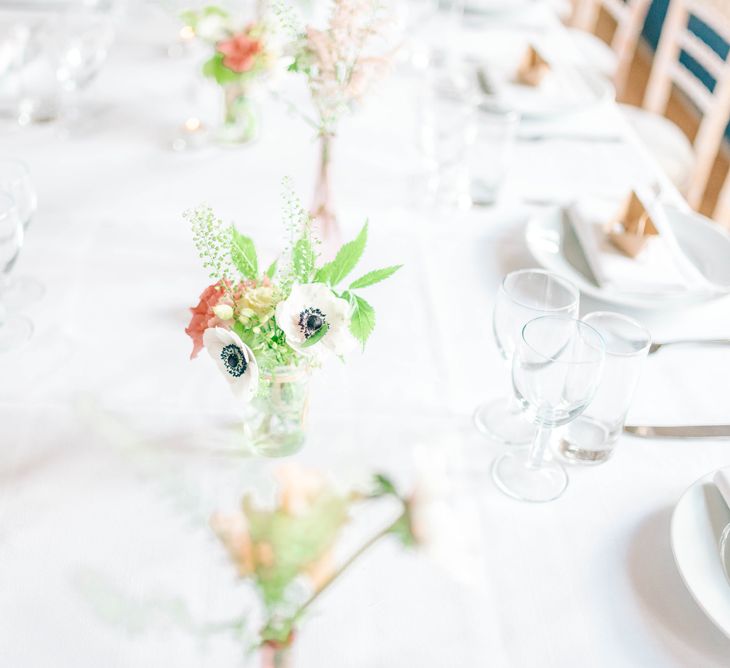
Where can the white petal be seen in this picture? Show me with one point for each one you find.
(246, 385)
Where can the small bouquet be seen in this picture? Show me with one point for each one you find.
(340, 63)
(266, 329)
(286, 552)
(243, 53)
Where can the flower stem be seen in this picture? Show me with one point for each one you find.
(352, 558)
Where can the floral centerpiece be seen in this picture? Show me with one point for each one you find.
(341, 62)
(286, 552)
(266, 330)
(243, 53)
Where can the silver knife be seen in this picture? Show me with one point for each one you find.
(693, 431)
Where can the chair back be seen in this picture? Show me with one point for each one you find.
(669, 69)
(629, 16)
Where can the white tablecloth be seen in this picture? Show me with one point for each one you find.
(115, 448)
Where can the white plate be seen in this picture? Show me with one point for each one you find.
(553, 244)
(698, 519)
(492, 7)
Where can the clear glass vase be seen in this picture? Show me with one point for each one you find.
(274, 655)
(275, 421)
(241, 119)
(322, 209)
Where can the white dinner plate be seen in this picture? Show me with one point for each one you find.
(497, 7)
(698, 519)
(552, 242)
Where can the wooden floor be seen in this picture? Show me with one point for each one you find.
(678, 111)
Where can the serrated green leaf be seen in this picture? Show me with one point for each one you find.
(316, 336)
(345, 260)
(243, 254)
(272, 269)
(383, 485)
(362, 322)
(303, 258)
(215, 69)
(375, 276)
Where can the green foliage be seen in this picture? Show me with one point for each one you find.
(316, 336)
(212, 239)
(215, 69)
(375, 276)
(345, 260)
(272, 269)
(362, 321)
(296, 541)
(383, 486)
(243, 254)
(192, 18)
(303, 258)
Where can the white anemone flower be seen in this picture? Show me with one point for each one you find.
(212, 28)
(309, 308)
(235, 360)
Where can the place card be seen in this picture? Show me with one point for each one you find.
(632, 227)
(533, 68)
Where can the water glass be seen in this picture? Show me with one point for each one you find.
(523, 296)
(446, 132)
(491, 153)
(14, 329)
(556, 371)
(591, 438)
(15, 181)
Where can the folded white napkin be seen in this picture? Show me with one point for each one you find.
(661, 269)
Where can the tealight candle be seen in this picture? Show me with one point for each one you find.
(190, 135)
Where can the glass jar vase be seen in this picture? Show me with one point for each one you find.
(241, 119)
(275, 421)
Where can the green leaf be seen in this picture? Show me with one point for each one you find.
(243, 254)
(362, 322)
(303, 258)
(345, 260)
(383, 486)
(375, 276)
(215, 69)
(272, 269)
(316, 336)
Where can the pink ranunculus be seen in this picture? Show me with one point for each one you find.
(203, 316)
(239, 52)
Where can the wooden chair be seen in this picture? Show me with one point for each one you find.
(612, 60)
(689, 165)
(722, 210)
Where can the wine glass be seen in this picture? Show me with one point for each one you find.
(15, 181)
(556, 370)
(14, 329)
(523, 295)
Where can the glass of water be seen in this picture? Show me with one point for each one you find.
(15, 181)
(491, 153)
(523, 296)
(447, 128)
(556, 371)
(14, 329)
(591, 438)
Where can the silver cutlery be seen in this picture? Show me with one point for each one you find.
(689, 431)
(556, 136)
(655, 347)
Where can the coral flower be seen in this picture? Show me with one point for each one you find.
(239, 52)
(203, 316)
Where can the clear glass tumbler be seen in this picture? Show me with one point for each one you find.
(556, 371)
(446, 131)
(491, 153)
(15, 180)
(523, 296)
(14, 329)
(591, 438)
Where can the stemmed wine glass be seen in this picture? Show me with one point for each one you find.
(14, 329)
(523, 295)
(16, 182)
(556, 370)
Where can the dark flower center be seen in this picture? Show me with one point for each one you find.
(311, 321)
(234, 360)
